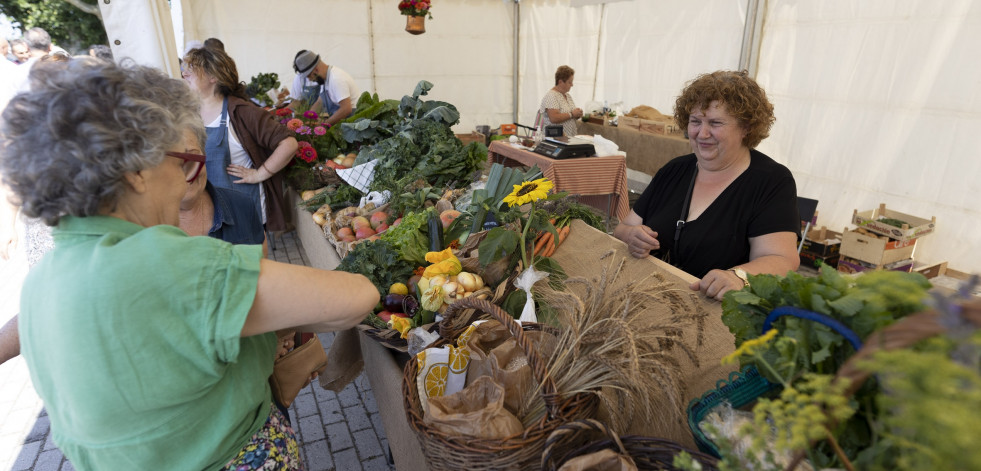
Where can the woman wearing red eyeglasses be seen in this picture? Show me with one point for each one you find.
(150, 348)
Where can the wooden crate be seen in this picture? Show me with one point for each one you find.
(472, 137)
(629, 122)
(875, 250)
(915, 227)
(664, 127)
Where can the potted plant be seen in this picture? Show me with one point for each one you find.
(416, 12)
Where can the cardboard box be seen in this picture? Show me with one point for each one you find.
(875, 250)
(850, 265)
(812, 260)
(822, 242)
(915, 227)
(509, 129)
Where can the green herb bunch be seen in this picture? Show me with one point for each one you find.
(260, 84)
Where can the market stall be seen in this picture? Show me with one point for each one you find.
(646, 152)
(601, 181)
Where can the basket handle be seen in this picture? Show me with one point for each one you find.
(569, 429)
(822, 319)
(549, 394)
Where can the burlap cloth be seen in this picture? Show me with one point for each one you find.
(584, 254)
(587, 250)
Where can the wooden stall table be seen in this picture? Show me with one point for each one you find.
(589, 177)
(646, 152)
(381, 366)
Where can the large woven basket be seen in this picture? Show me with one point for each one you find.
(583, 437)
(522, 451)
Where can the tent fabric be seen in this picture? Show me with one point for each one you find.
(876, 101)
(142, 31)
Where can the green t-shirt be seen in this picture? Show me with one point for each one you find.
(131, 335)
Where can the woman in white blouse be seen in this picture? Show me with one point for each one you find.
(557, 106)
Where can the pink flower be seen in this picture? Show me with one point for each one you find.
(303, 144)
(310, 114)
(308, 154)
(294, 124)
(305, 130)
(320, 130)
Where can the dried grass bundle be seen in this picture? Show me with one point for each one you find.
(614, 345)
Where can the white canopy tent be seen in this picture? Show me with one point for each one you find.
(877, 101)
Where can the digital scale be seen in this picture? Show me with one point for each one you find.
(565, 148)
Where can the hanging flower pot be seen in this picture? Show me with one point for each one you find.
(415, 24)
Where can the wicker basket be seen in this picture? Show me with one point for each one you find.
(522, 451)
(573, 439)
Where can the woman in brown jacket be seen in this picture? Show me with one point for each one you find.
(246, 146)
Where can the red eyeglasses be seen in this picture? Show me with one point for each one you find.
(192, 164)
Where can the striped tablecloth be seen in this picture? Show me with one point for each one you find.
(601, 181)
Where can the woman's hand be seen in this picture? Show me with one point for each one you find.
(248, 175)
(716, 283)
(576, 113)
(639, 238)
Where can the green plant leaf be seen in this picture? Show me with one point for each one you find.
(498, 242)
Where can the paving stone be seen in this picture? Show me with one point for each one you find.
(40, 430)
(18, 421)
(369, 402)
(357, 418)
(376, 422)
(339, 437)
(376, 464)
(311, 428)
(367, 443)
(67, 466)
(330, 412)
(349, 396)
(305, 404)
(27, 456)
(49, 461)
(322, 394)
(318, 456)
(347, 460)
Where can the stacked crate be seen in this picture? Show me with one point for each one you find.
(883, 240)
(821, 247)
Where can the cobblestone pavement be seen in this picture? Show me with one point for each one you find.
(336, 431)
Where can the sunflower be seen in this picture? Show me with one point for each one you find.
(529, 191)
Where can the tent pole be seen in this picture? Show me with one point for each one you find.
(517, 49)
(599, 49)
(749, 53)
(371, 46)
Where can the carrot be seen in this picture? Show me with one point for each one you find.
(563, 233)
(540, 244)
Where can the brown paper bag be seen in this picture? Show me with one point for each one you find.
(507, 363)
(604, 460)
(477, 411)
(344, 361)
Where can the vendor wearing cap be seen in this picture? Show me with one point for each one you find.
(337, 91)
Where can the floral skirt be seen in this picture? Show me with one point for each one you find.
(273, 447)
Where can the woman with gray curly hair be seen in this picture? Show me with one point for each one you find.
(150, 348)
(727, 210)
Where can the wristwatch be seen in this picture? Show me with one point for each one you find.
(739, 272)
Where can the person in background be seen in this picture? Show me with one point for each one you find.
(38, 41)
(5, 50)
(557, 106)
(246, 146)
(727, 210)
(148, 346)
(18, 47)
(337, 94)
(214, 43)
(100, 51)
